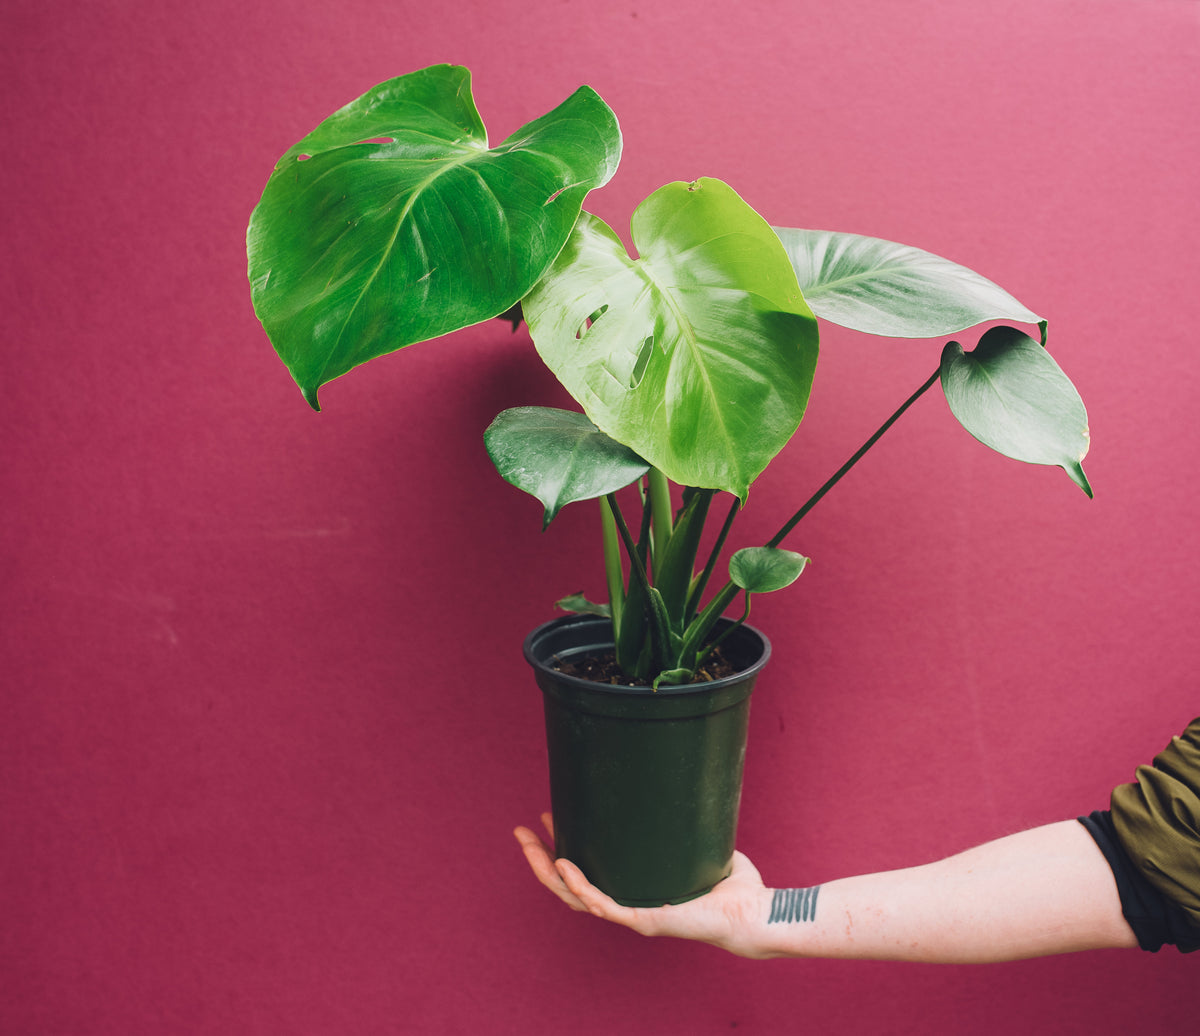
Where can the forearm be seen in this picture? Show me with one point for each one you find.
(1044, 891)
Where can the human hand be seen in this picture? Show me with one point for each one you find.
(730, 916)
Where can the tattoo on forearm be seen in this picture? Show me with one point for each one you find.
(789, 905)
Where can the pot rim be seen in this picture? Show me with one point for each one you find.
(540, 660)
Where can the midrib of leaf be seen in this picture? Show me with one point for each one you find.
(823, 287)
(991, 386)
(421, 187)
(692, 342)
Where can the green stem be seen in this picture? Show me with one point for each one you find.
(613, 572)
(653, 598)
(732, 626)
(633, 642)
(837, 475)
(660, 504)
(635, 560)
(699, 628)
(674, 567)
(643, 540)
(728, 592)
(698, 590)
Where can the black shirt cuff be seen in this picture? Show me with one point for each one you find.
(1155, 920)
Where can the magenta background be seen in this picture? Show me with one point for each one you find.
(265, 724)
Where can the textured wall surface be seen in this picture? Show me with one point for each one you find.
(264, 724)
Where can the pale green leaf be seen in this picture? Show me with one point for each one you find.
(1012, 396)
(699, 355)
(884, 288)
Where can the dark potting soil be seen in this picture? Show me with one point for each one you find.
(601, 667)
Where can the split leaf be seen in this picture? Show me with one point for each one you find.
(699, 354)
(393, 222)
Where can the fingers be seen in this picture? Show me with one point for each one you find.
(570, 885)
(592, 899)
(706, 918)
(567, 881)
(542, 864)
(597, 903)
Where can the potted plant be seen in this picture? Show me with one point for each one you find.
(394, 222)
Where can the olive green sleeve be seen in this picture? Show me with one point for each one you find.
(1157, 821)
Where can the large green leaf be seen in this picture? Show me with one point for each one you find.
(700, 354)
(392, 222)
(894, 290)
(559, 456)
(1011, 395)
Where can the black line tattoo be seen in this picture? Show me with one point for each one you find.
(788, 905)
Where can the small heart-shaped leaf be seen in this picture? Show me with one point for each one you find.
(1011, 395)
(559, 457)
(759, 570)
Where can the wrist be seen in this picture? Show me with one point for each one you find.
(786, 921)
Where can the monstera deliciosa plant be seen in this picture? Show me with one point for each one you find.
(395, 222)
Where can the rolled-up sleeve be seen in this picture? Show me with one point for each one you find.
(1157, 821)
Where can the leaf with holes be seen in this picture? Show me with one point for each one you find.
(393, 222)
(699, 355)
(1012, 396)
(883, 288)
(559, 457)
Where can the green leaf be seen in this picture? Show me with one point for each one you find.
(700, 354)
(559, 457)
(1011, 395)
(894, 290)
(392, 222)
(580, 605)
(759, 570)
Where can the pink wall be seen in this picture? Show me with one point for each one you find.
(265, 724)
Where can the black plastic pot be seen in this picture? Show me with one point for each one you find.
(644, 785)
